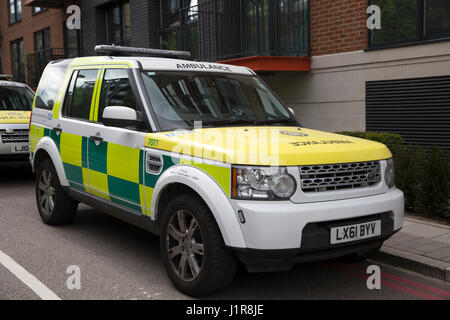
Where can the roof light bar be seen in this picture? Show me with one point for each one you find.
(134, 51)
(5, 76)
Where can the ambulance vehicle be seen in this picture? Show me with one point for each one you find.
(16, 100)
(207, 157)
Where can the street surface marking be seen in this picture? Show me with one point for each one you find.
(27, 278)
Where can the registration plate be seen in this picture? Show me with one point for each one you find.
(355, 232)
(20, 148)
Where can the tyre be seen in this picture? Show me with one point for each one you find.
(192, 248)
(54, 204)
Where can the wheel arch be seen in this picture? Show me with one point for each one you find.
(185, 178)
(47, 149)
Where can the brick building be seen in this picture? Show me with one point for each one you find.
(31, 35)
(318, 55)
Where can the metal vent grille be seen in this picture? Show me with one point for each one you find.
(319, 178)
(18, 136)
(417, 109)
(154, 163)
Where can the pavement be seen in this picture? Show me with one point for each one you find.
(420, 246)
(119, 261)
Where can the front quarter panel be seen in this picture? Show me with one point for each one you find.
(211, 193)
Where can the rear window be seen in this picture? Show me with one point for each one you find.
(48, 87)
(16, 98)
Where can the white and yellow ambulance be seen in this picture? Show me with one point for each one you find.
(16, 100)
(206, 156)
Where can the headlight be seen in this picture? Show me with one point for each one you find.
(262, 183)
(389, 174)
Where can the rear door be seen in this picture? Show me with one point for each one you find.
(74, 126)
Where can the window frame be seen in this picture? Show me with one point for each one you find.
(421, 36)
(16, 3)
(20, 77)
(69, 94)
(119, 5)
(42, 33)
(101, 88)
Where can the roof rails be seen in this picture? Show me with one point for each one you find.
(133, 51)
(5, 76)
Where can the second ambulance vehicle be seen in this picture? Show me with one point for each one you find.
(207, 157)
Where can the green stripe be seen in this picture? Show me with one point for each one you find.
(123, 189)
(84, 142)
(97, 156)
(73, 173)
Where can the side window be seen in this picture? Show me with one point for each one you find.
(116, 91)
(79, 96)
(48, 87)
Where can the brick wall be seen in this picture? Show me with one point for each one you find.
(52, 18)
(338, 26)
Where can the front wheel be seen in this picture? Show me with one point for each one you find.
(192, 248)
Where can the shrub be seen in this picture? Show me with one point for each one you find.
(391, 140)
(422, 173)
(434, 184)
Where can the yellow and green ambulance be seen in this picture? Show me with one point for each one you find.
(207, 157)
(16, 100)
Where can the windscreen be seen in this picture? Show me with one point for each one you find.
(15, 98)
(181, 98)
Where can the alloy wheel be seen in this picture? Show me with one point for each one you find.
(184, 245)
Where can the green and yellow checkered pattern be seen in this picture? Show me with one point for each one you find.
(115, 172)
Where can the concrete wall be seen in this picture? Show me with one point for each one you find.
(332, 96)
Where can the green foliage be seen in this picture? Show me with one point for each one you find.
(391, 140)
(434, 184)
(422, 173)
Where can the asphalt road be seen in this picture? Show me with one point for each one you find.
(119, 261)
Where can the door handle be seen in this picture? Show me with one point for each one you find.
(58, 130)
(96, 138)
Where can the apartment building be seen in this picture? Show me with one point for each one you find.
(32, 33)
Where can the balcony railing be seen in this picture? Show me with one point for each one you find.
(37, 61)
(216, 30)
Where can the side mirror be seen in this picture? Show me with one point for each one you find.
(291, 110)
(121, 117)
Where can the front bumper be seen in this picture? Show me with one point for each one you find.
(288, 232)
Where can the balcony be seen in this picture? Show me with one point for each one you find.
(37, 61)
(47, 3)
(265, 35)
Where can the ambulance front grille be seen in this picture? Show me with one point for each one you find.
(329, 177)
(18, 136)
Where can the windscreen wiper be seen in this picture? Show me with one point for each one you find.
(228, 122)
(275, 120)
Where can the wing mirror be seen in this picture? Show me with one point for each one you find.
(121, 117)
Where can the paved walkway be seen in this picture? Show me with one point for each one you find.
(423, 238)
(425, 245)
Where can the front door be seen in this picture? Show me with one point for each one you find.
(114, 154)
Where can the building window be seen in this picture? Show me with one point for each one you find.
(38, 9)
(42, 40)
(404, 21)
(118, 24)
(216, 30)
(72, 38)
(18, 65)
(15, 11)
